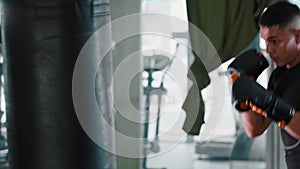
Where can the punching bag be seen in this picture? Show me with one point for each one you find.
(41, 42)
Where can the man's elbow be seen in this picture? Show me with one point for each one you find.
(252, 133)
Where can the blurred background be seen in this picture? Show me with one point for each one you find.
(111, 84)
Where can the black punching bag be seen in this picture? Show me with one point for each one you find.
(41, 42)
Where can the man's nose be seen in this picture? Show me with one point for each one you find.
(269, 48)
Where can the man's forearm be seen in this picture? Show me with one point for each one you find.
(254, 123)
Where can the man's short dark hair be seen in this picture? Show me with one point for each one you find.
(280, 13)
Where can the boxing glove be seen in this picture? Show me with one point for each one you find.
(248, 63)
(261, 100)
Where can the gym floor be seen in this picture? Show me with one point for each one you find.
(183, 156)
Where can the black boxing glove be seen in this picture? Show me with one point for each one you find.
(261, 100)
(248, 63)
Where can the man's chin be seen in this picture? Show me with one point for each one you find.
(279, 64)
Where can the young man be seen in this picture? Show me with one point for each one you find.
(280, 28)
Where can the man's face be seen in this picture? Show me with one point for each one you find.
(282, 44)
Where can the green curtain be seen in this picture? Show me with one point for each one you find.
(230, 25)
